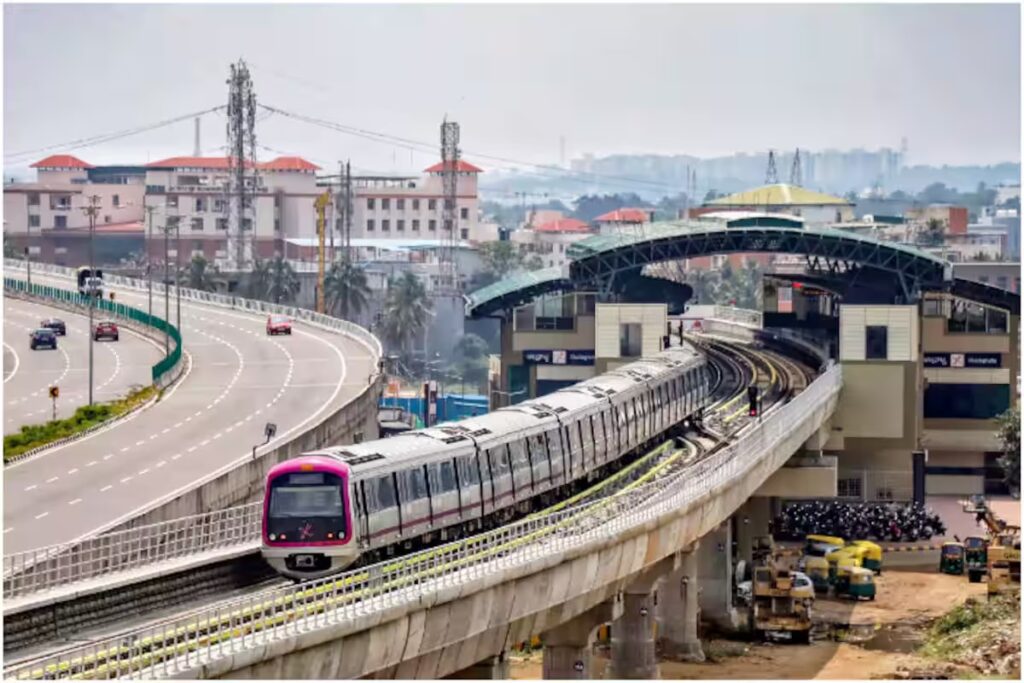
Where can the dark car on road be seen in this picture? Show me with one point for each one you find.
(55, 324)
(43, 337)
(105, 329)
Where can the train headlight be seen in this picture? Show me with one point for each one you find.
(272, 537)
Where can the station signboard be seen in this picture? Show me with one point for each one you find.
(558, 357)
(963, 360)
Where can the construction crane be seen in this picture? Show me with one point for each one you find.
(321, 204)
(1001, 559)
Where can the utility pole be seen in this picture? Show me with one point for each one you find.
(177, 269)
(167, 286)
(92, 211)
(149, 257)
(321, 223)
(348, 210)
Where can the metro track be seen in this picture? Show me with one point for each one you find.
(735, 366)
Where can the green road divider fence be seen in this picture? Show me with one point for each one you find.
(164, 372)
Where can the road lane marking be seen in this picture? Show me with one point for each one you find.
(126, 479)
(106, 488)
(72, 470)
(52, 479)
(76, 501)
(90, 464)
(141, 472)
(29, 488)
(41, 515)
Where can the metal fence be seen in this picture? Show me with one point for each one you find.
(175, 646)
(221, 300)
(44, 569)
(163, 371)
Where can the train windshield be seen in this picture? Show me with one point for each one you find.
(306, 494)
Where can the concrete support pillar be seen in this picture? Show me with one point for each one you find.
(715, 571)
(567, 646)
(633, 648)
(490, 669)
(751, 520)
(678, 611)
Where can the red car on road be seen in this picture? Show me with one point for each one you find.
(105, 329)
(279, 324)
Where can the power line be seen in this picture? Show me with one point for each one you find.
(418, 145)
(14, 157)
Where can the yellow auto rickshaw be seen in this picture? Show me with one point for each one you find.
(817, 569)
(855, 582)
(951, 558)
(872, 555)
(850, 556)
(814, 544)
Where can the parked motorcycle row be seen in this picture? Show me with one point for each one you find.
(906, 522)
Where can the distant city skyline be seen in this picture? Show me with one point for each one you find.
(687, 85)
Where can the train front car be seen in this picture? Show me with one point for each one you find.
(307, 518)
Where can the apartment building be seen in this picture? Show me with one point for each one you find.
(47, 219)
(551, 240)
(413, 208)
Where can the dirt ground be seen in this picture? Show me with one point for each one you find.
(890, 628)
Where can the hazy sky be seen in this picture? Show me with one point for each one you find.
(701, 80)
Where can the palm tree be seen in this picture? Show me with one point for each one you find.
(705, 285)
(283, 284)
(259, 280)
(406, 310)
(201, 275)
(345, 289)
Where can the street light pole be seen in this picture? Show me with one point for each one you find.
(28, 253)
(149, 258)
(92, 211)
(167, 288)
(177, 271)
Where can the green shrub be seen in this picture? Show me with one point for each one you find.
(85, 417)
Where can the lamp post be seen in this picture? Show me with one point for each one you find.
(149, 258)
(167, 285)
(92, 210)
(177, 272)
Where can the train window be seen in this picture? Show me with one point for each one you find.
(385, 490)
(415, 483)
(447, 476)
(499, 461)
(518, 450)
(468, 473)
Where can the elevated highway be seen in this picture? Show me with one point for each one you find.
(499, 588)
(237, 379)
(118, 367)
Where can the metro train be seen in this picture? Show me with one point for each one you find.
(326, 509)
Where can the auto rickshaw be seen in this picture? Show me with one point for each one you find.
(872, 555)
(814, 544)
(855, 582)
(851, 556)
(976, 558)
(951, 558)
(817, 569)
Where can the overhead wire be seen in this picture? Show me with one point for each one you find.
(17, 157)
(418, 145)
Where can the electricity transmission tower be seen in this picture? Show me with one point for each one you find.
(796, 175)
(240, 189)
(772, 176)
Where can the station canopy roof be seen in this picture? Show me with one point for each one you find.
(779, 194)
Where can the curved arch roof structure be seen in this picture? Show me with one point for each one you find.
(596, 260)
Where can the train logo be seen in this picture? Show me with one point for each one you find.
(306, 531)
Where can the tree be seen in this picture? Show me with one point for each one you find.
(283, 284)
(501, 258)
(406, 311)
(471, 361)
(9, 250)
(345, 289)
(201, 275)
(934, 233)
(704, 284)
(259, 280)
(711, 195)
(534, 262)
(1009, 434)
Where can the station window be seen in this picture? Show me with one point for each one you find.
(966, 401)
(630, 337)
(876, 342)
(849, 487)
